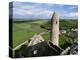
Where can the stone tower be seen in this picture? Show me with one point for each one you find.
(55, 29)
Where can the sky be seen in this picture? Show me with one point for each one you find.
(28, 10)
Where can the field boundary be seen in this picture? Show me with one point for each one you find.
(20, 45)
(25, 42)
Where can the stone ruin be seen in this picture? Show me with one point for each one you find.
(38, 47)
(35, 40)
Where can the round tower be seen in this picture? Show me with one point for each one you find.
(55, 29)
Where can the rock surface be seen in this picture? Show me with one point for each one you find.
(35, 40)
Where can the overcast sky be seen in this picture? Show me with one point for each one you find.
(26, 10)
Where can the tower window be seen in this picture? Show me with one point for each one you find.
(56, 22)
(35, 52)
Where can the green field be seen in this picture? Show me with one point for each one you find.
(25, 30)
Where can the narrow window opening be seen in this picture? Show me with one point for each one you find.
(56, 22)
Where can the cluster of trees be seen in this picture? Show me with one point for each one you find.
(65, 40)
(68, 24)
(64, 24)
(46, 26)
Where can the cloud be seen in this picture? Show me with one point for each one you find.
(70, 15)
(28, 7)
(40, 10)
(23, 12)
(17, 4)
(35, 12)
(73, 14)
(74, 7)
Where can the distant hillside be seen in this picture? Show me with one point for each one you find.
(27, 19)
(63, 24)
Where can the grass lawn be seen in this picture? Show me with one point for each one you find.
(46, 36)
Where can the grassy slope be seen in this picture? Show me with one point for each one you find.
(24, 31)
(46, 36)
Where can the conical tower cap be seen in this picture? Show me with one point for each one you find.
(55, 15)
